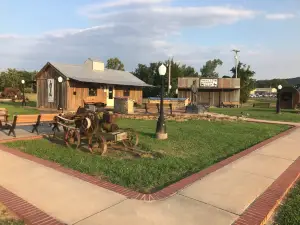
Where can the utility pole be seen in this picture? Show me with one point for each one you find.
(169, 80)
(236, 60)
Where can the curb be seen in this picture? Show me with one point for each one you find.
(30, 214)
(21, 139)
(260, 211)
(159, 195)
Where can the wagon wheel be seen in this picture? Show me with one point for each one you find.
(90, 122)
(99, 146)
(132, 139)
(72, 137)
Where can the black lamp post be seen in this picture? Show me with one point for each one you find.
(278, 99)
(23, 87)
(59, 107)
(161, 129)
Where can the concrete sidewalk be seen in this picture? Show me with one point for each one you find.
(273, 122)
(217, 199)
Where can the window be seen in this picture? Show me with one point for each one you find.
(126, 92)
(92, 91)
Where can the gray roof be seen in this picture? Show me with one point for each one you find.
(108, 76)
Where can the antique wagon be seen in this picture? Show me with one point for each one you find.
(85, 128)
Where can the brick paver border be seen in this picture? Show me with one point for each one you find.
(21, 138)
(30, 214)
(159, 195)
(264, 206)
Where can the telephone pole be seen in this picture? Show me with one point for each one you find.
(236, 60)
(169, 80)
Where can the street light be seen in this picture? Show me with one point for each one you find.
(278, 99)
(161, 129)
(60, 80)
(23, 86)
(236, 60)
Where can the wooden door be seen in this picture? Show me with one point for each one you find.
(110, 94)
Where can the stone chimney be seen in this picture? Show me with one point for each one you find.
(94, 64)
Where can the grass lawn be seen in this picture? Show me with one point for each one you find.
(8, 218)
(191, 147)
(31, 96)
(15, 108)
(289, 212)
(260, 113)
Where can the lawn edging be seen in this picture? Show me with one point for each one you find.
(260, 211)
(21, 139)
(24, 210)
(159, 195)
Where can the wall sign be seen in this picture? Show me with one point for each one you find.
(50, 90)
(208, 82)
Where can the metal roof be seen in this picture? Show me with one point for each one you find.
(108, 76)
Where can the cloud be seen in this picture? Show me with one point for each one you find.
(113, 4)
(163, 13)
(136, 31)
(280, 16)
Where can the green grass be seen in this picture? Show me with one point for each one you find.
(15, 108)
(31, 96)
(260, 113)
(7, 218)
(191, 147)
(11, 222)
(289, 212)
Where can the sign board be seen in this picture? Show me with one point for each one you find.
(50, 90)
(208, 82)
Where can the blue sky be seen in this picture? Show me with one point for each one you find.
(33, 32)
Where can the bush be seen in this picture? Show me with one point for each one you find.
(11, 93)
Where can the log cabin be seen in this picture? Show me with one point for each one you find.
(90, 82)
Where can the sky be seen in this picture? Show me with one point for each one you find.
(267, 33)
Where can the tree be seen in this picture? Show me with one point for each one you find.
(115, 64)
(179, 70)
(246, 78)
(13, 77)
(275, 82)
(149, 74)
(297, 86)
(271, 83)
(208, 70)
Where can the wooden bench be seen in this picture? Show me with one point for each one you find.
(34, 120)
(45, 118)
(157, 106)
(230, 104)
(3, 116)
(262, 105)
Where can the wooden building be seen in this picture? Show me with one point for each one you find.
(90, 82)
(211, 91)
(289, 98)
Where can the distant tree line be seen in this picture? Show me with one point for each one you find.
(271, 83)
